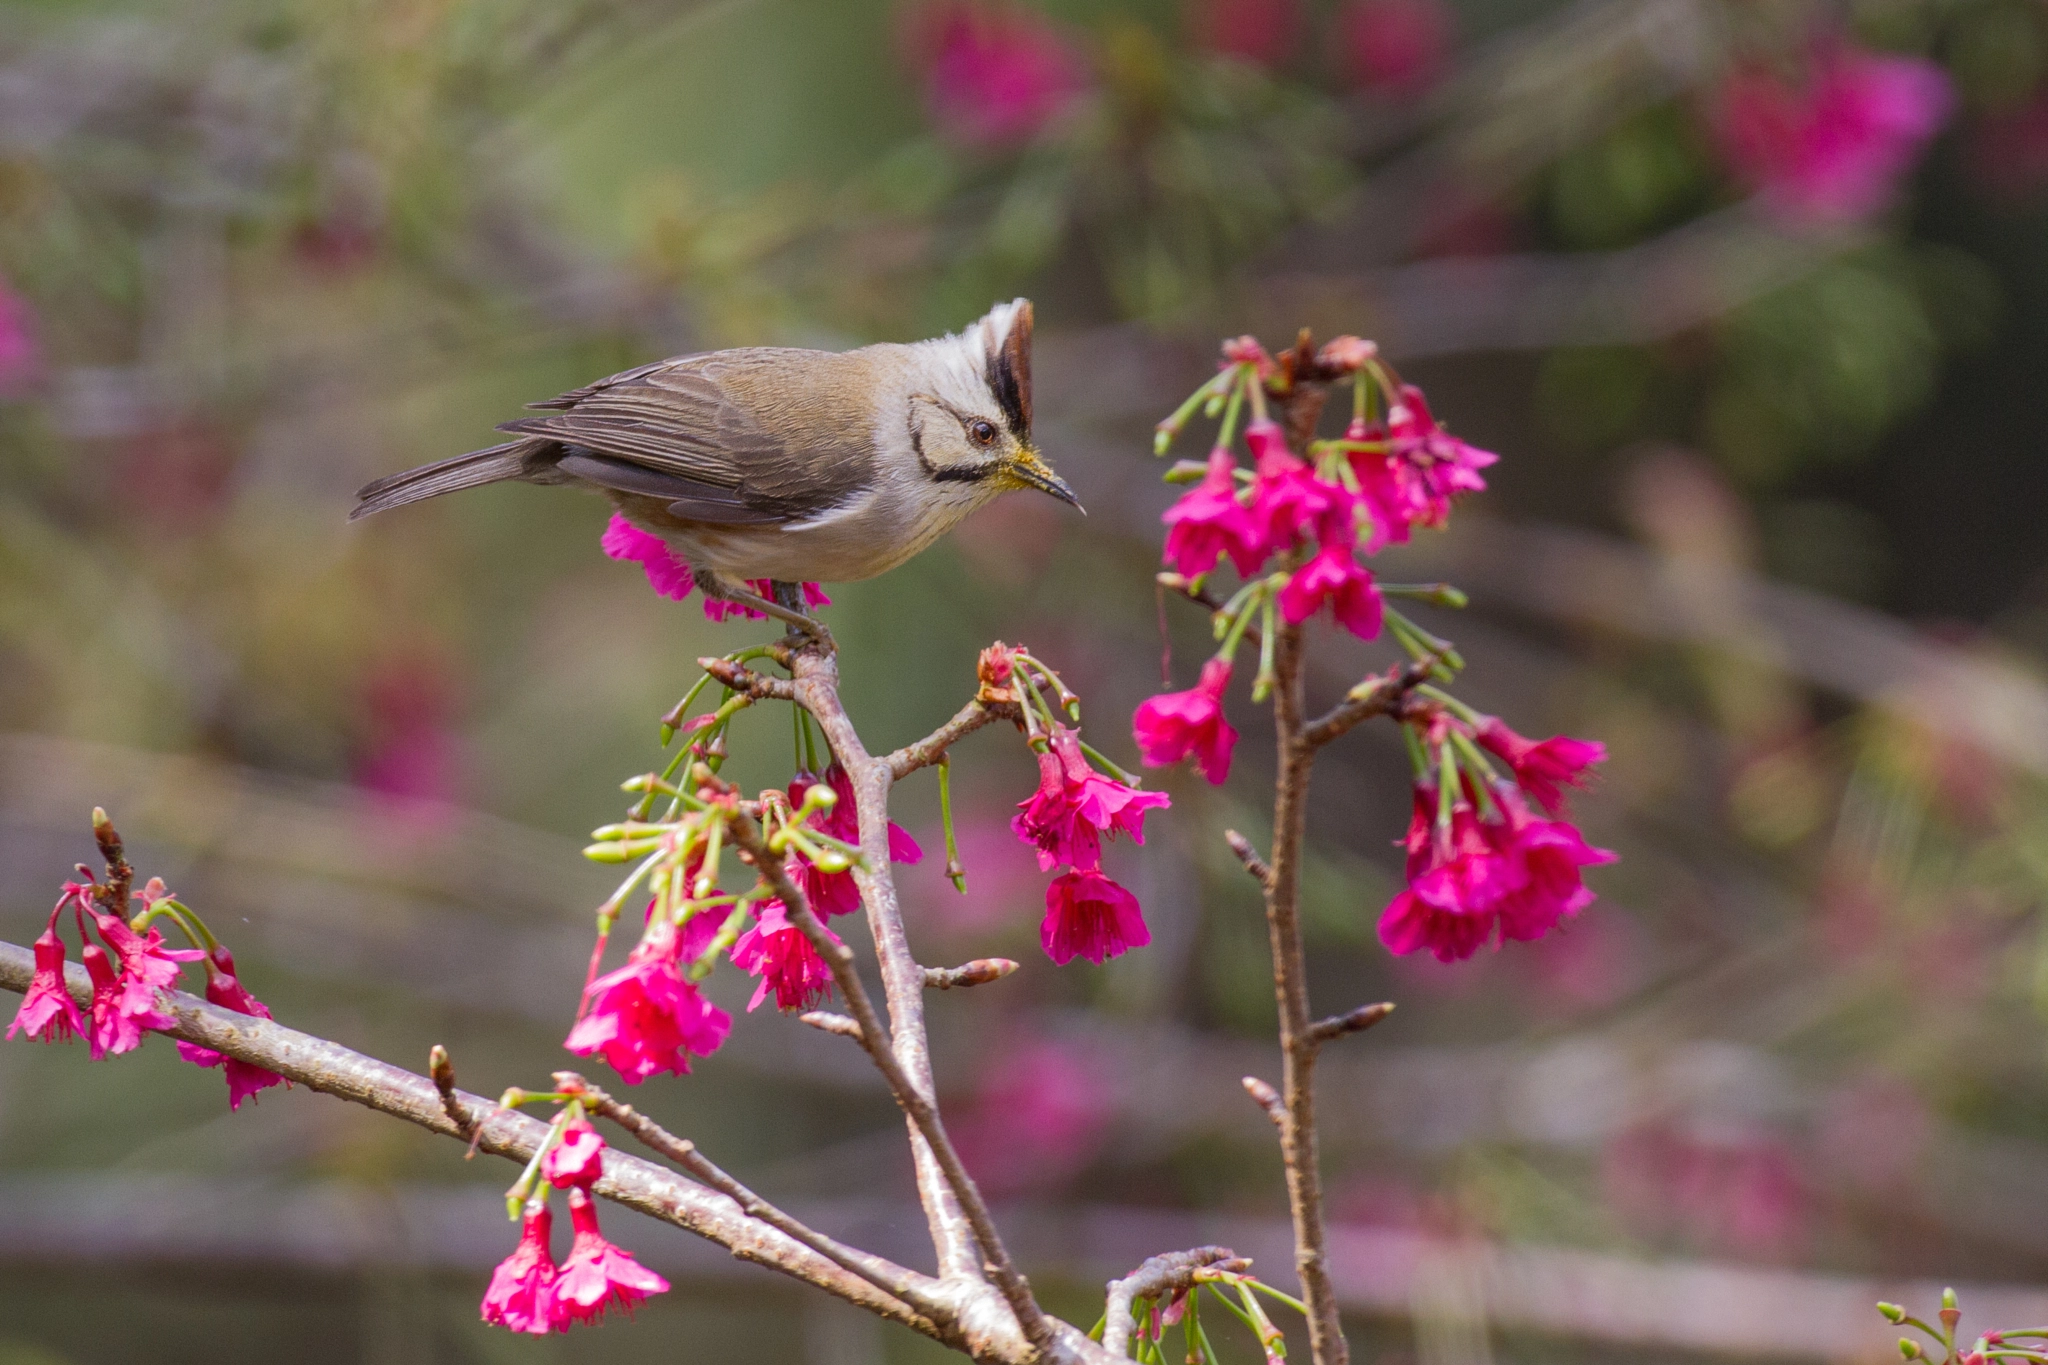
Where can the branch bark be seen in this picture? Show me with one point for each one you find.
(1168, 1273)
(933, 746)
(639, 1185)
(1298, 1045)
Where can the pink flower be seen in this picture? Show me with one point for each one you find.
(1288, 500)
(111, 1032)
(521, 1296)
(577, 1158)
(1262, 32)
(146, 967)
(47, 1011)
(1396, 47)
(1209, 522)
(836, 893)
(645, 1017)
(1334, 578)
(1514, 877)
(1542, 767)
(1174, 725)
(1431, 467)
(666, 573)
(1074, 805)
(1836, 149)
(596, 1275)
(224, 988)
(1088, 915)
(778, 952)
(995, 75)
(669, 575)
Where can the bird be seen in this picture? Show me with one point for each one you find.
(780, 463)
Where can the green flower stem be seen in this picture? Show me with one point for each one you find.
(1361, 392)
(522, 1188)
(1164, 432)
(1256, 387)
(1104, 761)
(721, 942)
(1101, 1326)
(707, 878)
(954, 872)
(1270, 1292)
(1037, 698)
(1446, 787)
(1435, 594)
(1417, 755)
(1235, 632)
(1456, 707)
(1224, 1299)
(1226, 433)
(682, 710)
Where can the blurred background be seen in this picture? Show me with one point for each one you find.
(1750, 295)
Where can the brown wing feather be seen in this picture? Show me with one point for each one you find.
(723, 422)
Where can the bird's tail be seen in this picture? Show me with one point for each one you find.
(479, 467)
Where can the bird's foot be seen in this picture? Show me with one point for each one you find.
(783, 607)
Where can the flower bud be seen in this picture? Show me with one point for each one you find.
(1892, 1312)
(1909, 1348)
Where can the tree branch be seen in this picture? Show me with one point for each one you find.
(1169, 1273)
(1385, 695)
(933, 746)
(884, 1275)
(639, 1185)
(918, 1104)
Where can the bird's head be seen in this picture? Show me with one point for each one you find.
(970, 409)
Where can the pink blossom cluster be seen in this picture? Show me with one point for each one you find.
(1371, 489)
(1481, 866)
(529, 1292)
(648, 1016)
(126, 975)
(1086, 913)
(1833, 147)
(995, 75)
(669, 575)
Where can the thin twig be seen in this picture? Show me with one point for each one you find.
(1249, 856)
(740, 678)
(930, 749)
(1168, 1273)
(883, 1275)
(442, 1069)
(874, 1037)
(831, 1023)
(1202, 596)
(1355, 1021)
(639, 1185)
(1386, 695)
(979, 972)
(1267, 1099)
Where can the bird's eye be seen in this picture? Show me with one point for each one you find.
(982, 433)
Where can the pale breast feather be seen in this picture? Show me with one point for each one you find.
(751, 435)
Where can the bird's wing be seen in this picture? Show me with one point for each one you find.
(759, 435)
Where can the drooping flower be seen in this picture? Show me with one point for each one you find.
(994, 75)
(781, 955)
(836, 893)
(224, 988)
(1088, 915)
(577, 1158)
(1506, 877)
(1542, 767)
(110, 1032)
(1432, 467)
(666, 572)
(716, 609)
(1336, 579)
(146, 967)
(521, 1295)
(1209, 522)
(597, 1276)
(47, 1011)
(1075, 805)
(646, 1017)
(1835, 149)
(1288, 500)
(1396, 47)
(1174, 725)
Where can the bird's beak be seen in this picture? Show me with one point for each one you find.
(1028, 470)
